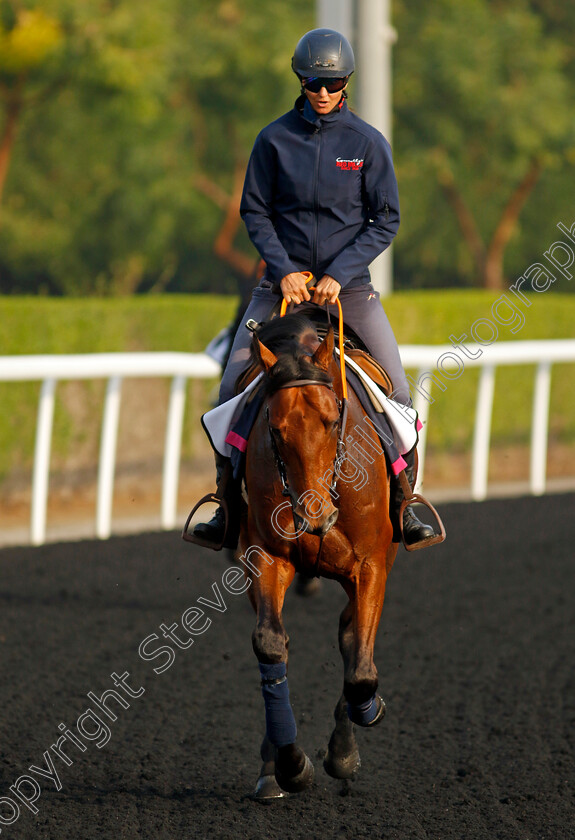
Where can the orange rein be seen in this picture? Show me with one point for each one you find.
(283, 311)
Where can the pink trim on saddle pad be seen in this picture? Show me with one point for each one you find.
(237, 440)
(399, 465)
(419, 425)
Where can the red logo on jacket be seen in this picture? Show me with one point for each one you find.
(356, 163)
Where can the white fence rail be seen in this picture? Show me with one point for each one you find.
(114, 367)
(183, 366)
(542, 354)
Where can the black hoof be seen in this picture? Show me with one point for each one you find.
(345, 767)
(287, 779)
(267, 789)
(307, 586)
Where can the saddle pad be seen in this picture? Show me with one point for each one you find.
(218, 422)
(404, 422)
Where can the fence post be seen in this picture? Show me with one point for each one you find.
(108, 457)
(172, 449)
(483, 412)
(421, 405)
(42, 462)
(539, 428)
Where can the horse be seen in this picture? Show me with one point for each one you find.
(307, 511)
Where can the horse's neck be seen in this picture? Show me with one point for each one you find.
(335, 373)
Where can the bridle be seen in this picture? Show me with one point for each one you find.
(342, 405)
(340, 448)
(281, 467)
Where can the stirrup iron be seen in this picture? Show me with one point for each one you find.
(411, 498)
(190, 537)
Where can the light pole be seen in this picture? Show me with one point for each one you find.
(367, 25)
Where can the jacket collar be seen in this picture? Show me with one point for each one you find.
(305, 110)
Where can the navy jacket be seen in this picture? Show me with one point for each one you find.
(320, 194)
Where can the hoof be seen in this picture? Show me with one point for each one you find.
(342, 768)
(299, 782)
(268, 790)
(307, 586)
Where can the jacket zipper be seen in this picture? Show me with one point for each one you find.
(316, 205)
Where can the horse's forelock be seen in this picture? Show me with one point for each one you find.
(292, 339)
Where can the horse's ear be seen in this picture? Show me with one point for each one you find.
(264, 356)
(324, 353)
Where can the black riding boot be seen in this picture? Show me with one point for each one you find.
(414, 530)
(229, 489)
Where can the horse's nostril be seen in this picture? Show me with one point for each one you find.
(330, 522)
(321, 530)
(301, 525)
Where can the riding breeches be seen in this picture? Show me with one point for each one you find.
(362, 311)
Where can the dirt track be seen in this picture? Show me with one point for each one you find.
(475, 653)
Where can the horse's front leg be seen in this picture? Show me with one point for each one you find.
(358, 629)
(342, 759)
(293, 769)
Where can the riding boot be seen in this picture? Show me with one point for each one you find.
(413, 529)
(229, 489)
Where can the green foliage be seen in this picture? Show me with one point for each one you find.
(125, 108)
(101, 197)
(481, 92)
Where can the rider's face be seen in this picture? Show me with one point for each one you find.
(323, 102)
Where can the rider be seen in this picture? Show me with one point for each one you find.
(320, 194)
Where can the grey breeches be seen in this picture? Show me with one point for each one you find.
(363, 312)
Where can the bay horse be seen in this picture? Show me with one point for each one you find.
(307, 512)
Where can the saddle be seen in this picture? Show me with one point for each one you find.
(354, 348)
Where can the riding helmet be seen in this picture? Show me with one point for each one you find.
(324, 53)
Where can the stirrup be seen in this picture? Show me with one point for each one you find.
(190, 537)
(438, 538)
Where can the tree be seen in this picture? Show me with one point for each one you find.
(30, 43)
(77, 215)
(126, 176)
(483, 108)
(231, 75)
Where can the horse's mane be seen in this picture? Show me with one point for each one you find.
(291, 339)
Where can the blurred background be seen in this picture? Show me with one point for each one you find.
(125, 129)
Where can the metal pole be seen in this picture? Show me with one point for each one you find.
(336, 14)
(367, 24)
(374, 38)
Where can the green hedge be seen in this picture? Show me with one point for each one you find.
(187, 322)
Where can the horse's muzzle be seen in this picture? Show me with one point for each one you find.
(318, 529)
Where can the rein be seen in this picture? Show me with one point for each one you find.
(339, 455)
(283, 311)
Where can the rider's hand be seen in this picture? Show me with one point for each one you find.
(327, 289)
(293, 287)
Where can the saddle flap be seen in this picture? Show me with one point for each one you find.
(372, 368)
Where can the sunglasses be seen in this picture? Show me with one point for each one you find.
(314, 84)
